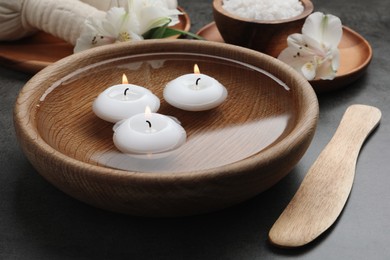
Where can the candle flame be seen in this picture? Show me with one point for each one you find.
(148, 112)
(196, 69)
(124, 79)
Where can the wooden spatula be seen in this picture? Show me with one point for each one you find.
(326, 187)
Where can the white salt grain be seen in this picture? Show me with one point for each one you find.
(264, 9)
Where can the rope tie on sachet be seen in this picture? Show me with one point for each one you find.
(63, 19)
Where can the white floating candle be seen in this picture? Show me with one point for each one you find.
(122, 101)
(195, 92)
(148, 133)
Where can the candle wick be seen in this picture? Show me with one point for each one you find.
(197, 81)
(150, 124)
(126, 91)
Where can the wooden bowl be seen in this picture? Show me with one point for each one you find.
(269, 37)
(232, 153)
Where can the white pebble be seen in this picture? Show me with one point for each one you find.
(264, 9)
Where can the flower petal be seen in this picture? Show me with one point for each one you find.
(295, 40)
(325, 71)
(323, 28)
(115, 16)
(332, 31)
(335, 59)
(312, 26)
(314, 46)
(303, 45)
(290, 56)
(328, 68)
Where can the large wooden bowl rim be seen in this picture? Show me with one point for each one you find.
(25, 108)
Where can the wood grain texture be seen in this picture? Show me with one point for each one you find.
(327, 185)
(265, 36)
(73, 149)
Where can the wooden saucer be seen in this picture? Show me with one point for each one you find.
(355, 56)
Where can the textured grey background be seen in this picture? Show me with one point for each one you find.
(37, 221)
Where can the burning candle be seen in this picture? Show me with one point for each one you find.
(195, 92)
(148, 133)
(122, 101)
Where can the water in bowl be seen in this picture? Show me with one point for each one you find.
(258, 112)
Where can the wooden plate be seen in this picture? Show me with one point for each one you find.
(355, 56)
(40, 50)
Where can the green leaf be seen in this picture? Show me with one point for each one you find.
(164, 32)
(177, 31)
(159, 32)
(170, 32)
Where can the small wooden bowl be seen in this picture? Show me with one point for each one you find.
(269, 37)
(232, 153)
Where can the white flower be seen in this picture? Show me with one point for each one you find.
(314, 53)
(115, 26)
(120, 25)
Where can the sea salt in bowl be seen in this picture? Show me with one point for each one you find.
(267, 36)
(232, 153)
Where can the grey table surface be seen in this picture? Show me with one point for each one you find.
(37, 221)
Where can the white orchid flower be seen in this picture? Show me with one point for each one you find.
(120, 24)
(116, 26)
(314, 53)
